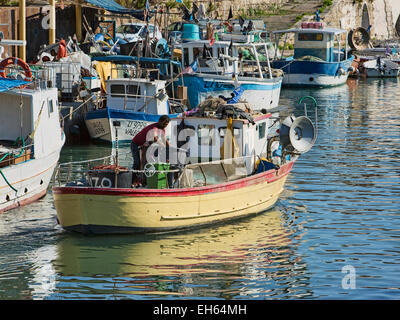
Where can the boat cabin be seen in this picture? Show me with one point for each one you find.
(227, 58)
(27, 113)
(138, 95)
(207, 136)
(313, 41)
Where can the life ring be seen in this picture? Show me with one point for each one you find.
(19, 62)
(149, 170)
(228, 25)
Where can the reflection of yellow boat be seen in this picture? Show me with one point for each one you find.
(259, 239)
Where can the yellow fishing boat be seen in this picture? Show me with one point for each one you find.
(245, 173)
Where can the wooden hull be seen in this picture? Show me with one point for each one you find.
(102, 210)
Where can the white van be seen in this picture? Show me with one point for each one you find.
(133, 32)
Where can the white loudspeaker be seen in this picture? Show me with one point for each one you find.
(297, 134)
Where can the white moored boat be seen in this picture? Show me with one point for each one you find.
(31, 137)
(381, 68)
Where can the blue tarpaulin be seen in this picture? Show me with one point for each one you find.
(236, 94)
(7, 84)
(126, 59)
(113, 7)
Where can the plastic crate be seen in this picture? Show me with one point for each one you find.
(159, 180)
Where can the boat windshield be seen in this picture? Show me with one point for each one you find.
(129, 29)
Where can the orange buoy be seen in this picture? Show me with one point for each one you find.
(13, 60)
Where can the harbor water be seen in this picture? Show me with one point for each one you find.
(334, 233)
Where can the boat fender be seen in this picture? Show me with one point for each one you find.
(351, 69)
(341, 71)
(13, 60)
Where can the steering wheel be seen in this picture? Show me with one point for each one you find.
(149, 170)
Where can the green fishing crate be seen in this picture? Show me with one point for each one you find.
(159, 180)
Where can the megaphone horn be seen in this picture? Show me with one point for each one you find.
(297, 134)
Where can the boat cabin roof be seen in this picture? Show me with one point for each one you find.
(334, 31)
(240, 112)
(136, 80)
(221, 44)
(255, 115)
(131, 59)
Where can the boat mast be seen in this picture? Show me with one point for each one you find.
(78, 20)
(268, 64)
(52, 29)
(22, 28)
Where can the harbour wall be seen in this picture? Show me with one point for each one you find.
(382, 15)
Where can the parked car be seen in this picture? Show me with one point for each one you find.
(133, 32)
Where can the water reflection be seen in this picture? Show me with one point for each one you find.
(253, 258)
(340, 207)
(27, 235)
(348, 189)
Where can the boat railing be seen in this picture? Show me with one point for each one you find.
(250, 58)
(78, 173)
(77, 170)
(133, 71)
(139, 102)
(10, 155)
(133, 102)
(244, 36)
(41, 76)
(63, 75)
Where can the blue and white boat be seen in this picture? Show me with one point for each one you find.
(316, 61)
(130, 105)
(217, 68)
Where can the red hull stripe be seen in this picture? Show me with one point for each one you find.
(25, 201)
(269, 176)
(264, 116)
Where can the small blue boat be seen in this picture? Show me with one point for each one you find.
(216, 68)
(315, 61)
